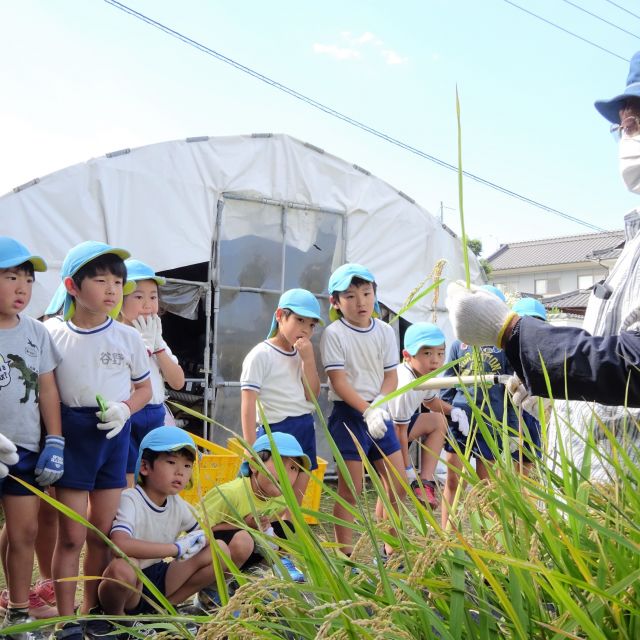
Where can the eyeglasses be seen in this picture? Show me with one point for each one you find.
(629, 126)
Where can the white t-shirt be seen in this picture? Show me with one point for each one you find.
(142, 519)
(26, 352)
(158, 391)
(364, 354)
(105, 359)
(276, 375)
(404, 406)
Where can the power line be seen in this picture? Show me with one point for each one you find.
(336, 114)
(635, 15)
(557, 26)
(597, 17)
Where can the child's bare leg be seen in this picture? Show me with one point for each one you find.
(21, 513)
(344, 534)
(241, 546)
(130, 481)
(391, 478)
(482, 468)
(66, 555)
(116, 598)
(451, 486)
(103, 504)
(433, 428)
(47, 535)
(186, 577)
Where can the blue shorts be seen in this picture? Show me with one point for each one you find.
(23, 469)
(302, 428)
(479, 448)
(157, 574)
(143, 421)
(531, 448)
(90, 460)
(344, 416)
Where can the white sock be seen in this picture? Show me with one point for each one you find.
(411, 474)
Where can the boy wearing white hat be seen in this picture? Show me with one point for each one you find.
(140, 310)
(104, 358)
(281, 373)
(28, 392)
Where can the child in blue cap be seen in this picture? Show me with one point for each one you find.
(424, 352)
(254, 499)
(493, 361)
(360, 356)
(153, 523)
(103, 358)
(28, 393)
(140, 310)
(281, 373)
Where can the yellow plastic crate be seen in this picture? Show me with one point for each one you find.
(311, 498)
(216, 467)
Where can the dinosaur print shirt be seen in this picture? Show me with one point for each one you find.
(26, 351)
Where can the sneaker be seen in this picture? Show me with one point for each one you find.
(99, 627)
(12, 618)
(44, 588)
(38, 608)
(294, 573)
(207, 599)
(67, 631)
(425, 491)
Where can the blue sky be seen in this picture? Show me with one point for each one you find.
(81, 78)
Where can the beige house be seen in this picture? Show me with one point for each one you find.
(555, 266)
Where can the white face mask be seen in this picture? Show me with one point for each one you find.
(629, 154)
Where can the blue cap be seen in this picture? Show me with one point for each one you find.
(422, 334)
(76, 258)
(165, 439)
(14, 253)
(496, 292)
(610, 109)
(285, 443)
(341, 278)
(301, 302)
(138, 270)
(530, 307)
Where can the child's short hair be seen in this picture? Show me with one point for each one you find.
(27, 267)
(357, 283)
(266, 455)
(105, 263)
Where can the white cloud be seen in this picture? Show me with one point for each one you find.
(334, 51)
(354, 47)
(393, 57)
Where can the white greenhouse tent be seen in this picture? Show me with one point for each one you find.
(233, 222)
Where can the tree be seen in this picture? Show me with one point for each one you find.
(475, 245)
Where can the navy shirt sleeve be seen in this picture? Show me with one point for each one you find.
(580, 366)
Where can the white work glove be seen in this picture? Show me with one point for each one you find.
(459, 415)
(521, 397)
(8, 455)
(478, 317)
(190, 544)
(158, 343)
(147, 329)
(375, 419)
(114, 418)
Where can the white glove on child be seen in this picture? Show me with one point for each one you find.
(478, 316)
(114, 418)
(147, 329)
(8, 455)
(190, 544)
(521, 396)
(375, 419)
(158, 344)
(458, 415)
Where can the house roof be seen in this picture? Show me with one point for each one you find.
(549, 251)
(577, 299)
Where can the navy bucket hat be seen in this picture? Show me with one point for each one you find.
(610, 109)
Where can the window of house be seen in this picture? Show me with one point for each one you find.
(547, 286)
(585, 280)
